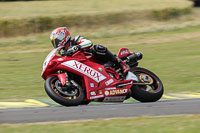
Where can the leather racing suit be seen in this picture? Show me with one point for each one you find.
(99, 52)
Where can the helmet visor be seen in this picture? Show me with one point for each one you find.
(56, 42)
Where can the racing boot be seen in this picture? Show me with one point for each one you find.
(102, 51)
(123, 65)
(115, 59)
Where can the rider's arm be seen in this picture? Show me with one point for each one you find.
(79, 43)
(82, 42)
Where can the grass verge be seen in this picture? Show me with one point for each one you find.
(161, 124)
(22, 18)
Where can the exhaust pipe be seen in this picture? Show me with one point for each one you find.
(135, 57)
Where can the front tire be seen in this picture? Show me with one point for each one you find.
(147, 93)
(53, 92)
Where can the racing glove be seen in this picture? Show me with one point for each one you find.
(73, 49)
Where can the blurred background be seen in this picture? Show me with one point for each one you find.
(166, 31)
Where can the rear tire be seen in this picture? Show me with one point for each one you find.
(196, 3)
(85, 103)
(59, 98)
(141, 94)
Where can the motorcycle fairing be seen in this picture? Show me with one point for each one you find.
(62, 78)
(124, 52)
(94, 75)
(84, 69)
(47, 60)
(93, 83)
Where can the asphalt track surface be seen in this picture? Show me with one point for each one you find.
(46, 114)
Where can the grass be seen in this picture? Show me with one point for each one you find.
(162, 124)
(48, 8)
(172, 55)
(22, 18)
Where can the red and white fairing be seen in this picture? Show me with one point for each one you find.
(84, 69)
(98, 84)
(124, 52)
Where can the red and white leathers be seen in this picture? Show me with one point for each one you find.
(79, 43)
(82, 42)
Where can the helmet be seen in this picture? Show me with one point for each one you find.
(60, 37)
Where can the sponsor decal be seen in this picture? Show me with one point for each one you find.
(116, 92)
(107, 93)
(91, 84)
(114, 99)
(122, 85)
(100, 91)
(124, 52)
(86, 70)
(60, 59)
(95, 97)
(109, 82)
(112, 88)
(92, 93)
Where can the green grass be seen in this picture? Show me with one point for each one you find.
(162, 124)
(172, 55)
(48, 8)
(22, 18)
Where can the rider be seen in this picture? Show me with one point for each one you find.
(61, 37)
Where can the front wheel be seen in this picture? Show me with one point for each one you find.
(72, 95)
(151, 88)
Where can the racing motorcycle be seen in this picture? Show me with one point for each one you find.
(79, 79)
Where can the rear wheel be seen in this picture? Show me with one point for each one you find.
(196, 3)
(85, 103)
(151, 88)
(72, 95)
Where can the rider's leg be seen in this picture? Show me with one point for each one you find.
(118, 61)
(107, 55)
